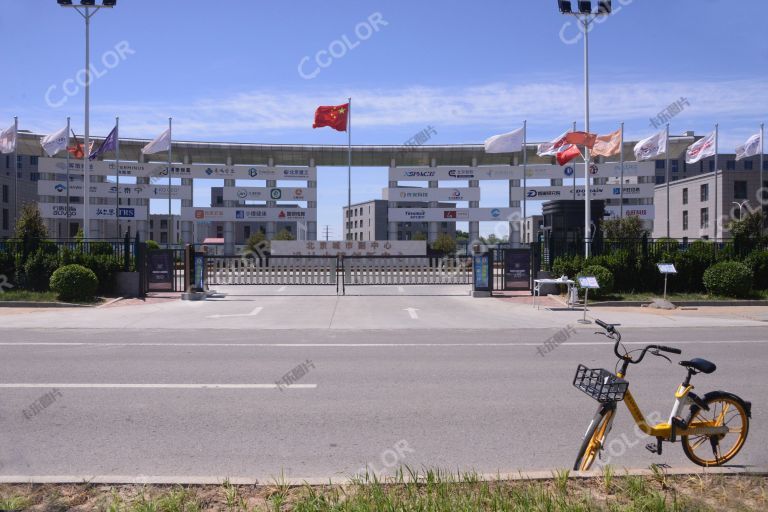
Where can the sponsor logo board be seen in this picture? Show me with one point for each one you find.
(59, 211)
(249, 214)
(452, 214)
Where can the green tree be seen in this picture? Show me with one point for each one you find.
(30, 224)
(257, 243)
(626, 228)
(445, 244)
(462, 236)
(748, 228)
(419, 236)
(284, 234)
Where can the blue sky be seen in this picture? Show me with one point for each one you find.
(470, 70)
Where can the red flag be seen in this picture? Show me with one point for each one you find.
(77, 151)
(581, 138)
(563, 157)
(335, 117)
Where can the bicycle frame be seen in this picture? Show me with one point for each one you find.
(668, 431)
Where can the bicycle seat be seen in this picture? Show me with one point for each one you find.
(700, 365)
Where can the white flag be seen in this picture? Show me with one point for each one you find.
(54, 142)
(161, 143)
(654, 145)
(511, 142)
(553, 147)
(702, 148)
(8, 140)
(749, 148)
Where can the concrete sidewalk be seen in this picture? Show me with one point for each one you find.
(373, 307)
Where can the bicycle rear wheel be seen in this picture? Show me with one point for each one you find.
(594, 439)
(715, 450)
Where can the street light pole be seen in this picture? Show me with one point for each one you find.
(585, 15)
(87, 9)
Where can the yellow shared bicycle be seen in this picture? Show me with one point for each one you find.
(712, 428)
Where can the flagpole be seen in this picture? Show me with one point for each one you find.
(666, 167)
(621, 185)
(573, 129)
(16, 169)
(761, 184)
(117, 170)
(525, 184)
(68, 182)
(349, 168)
(716, 141)
(170, 216)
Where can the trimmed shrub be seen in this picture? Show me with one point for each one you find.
(567, 266)
(103, 266)
(38, 269)
(152, 245)
(728, 278)
(97, 248)
(604, 279)
(758, 262)
(74, 283)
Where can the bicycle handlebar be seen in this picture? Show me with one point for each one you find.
(614, 334)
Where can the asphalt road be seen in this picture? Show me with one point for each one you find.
(482, 399)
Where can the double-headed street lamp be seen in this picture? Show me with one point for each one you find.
(87, 8)
(741, 205)
(586, 16)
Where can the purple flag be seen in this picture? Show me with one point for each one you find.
(109, 144)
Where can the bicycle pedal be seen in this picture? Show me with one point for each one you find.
(651, 447)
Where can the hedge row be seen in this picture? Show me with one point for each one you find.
(632, 272)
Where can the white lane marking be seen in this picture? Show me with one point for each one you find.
(281, 289)
(412, 313)
(341, 345)
(400, 289)
(255, 312)
(157, 386)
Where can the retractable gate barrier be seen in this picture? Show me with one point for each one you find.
(405, 270)
(282, 270)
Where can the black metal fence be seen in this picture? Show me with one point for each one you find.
(121, 251)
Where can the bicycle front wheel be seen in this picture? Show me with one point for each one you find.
(594, 439)
(725, 409)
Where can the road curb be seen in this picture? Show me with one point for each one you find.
(679, 304)
(31, 304)
(342, 480)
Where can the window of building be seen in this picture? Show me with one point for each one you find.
(164, 224)
(705, 192)
(730, 165)
(5, 193)
(748, 165)
(711, 165)
(659, 180)
(704, 218)
(739, 189)
(685, 220)
(685, 196)
(6, 220)
(673, 165)
(7, 161)
(660, 164)
(247, 232)
(219, 200)
(151, 223)
(34, 176)
(20, 160)
(33, 160)
(765, 165)
(164, 237)
(219, 231)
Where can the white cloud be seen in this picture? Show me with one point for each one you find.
(547, 104)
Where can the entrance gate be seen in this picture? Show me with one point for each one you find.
(280, 270)
(405, 270)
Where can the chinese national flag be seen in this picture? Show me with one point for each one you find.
(563, 157)
(77, 151)
(581, 138)
(335, 117)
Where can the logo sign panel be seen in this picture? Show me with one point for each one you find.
(667, 268)
(452, 214)
(604, 170)
(249, 214)
(270, 194)
(59, 211)
(545, 193)
(99, 168)
(642, 211)
(348, 248)
(433, 194)
(106, 190)
(448, 173)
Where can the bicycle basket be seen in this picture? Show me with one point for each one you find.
(600, 384)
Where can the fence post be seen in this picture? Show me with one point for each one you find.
(126, 253)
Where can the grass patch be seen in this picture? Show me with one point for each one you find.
(679, 297)
(409, 490)
(29, 296)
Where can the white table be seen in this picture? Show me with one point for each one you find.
(537, 288)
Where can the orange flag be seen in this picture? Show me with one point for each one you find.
(581, 138)
(563, 157)
(607, 145)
